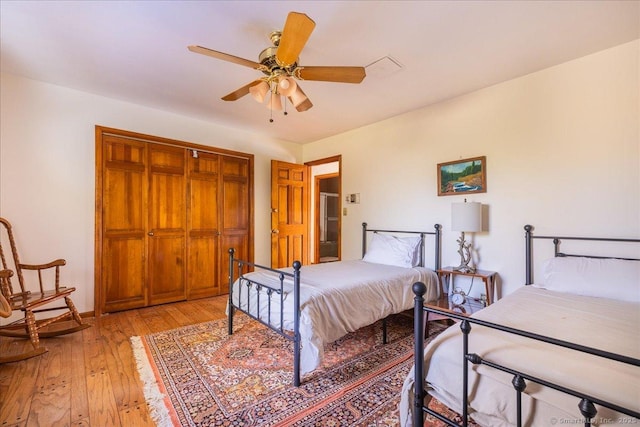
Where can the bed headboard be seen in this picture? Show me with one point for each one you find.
(529, 237)
(436, 233)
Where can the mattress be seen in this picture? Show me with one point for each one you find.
(335, 299)
(602, 323)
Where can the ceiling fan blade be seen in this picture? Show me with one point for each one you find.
(331, 74)
(226, 57)
(239, 93)
(294, 36)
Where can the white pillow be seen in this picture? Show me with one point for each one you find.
(417, 250)
(392, 250)
(607, 278)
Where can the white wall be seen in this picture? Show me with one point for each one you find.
(562, 149)
(47, 169)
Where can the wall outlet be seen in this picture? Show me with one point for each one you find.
(353, 198)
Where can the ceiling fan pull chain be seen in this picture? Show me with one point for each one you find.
(271, 109)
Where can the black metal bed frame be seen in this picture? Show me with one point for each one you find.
(586, 403)
(271, 292)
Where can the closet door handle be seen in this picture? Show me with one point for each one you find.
(275, 231)
(150, 233)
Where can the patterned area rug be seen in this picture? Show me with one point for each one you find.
(199, 376)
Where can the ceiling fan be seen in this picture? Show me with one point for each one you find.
(280, 65)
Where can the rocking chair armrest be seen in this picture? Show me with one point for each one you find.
(56, 263)
(5, 307)
(39, 267)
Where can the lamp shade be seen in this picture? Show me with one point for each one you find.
(259, 91)
(287, 86)
(466, 216)
(298, 97)
(275, 103)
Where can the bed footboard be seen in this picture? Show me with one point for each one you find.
(248, 298)
(585, 402)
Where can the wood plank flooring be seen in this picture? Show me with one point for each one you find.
(89, 378)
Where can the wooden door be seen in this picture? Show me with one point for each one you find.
(289, 214)
(166, 214)
(167, 224)
(203, 239)
(124, 224)
(237, 215)
(220, 219)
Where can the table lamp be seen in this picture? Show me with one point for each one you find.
(466, 217)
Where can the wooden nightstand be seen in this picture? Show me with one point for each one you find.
(488, 277)
(470, 305)
(444, 303)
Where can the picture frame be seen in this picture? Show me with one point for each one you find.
(465, 176)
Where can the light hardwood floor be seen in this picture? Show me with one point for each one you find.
(89, 378)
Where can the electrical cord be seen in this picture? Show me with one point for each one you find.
(470, 287)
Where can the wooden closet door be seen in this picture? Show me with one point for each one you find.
(124, 204)
(236, 216)
(167, 224)
(165, 219)
(203, 240)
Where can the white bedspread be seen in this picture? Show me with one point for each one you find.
(337, 298)
(606, 324)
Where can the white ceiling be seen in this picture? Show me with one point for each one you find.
(136, 51)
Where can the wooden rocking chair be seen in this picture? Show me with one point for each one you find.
(5, 307)
(32, 302)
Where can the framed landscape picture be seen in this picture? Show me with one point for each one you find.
(462, 176)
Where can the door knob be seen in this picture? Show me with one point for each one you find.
(274, 210)
(275, 231)
(150, 233)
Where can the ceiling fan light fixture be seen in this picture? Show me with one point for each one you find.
(297, 97)
(259, 91)
(287, 86)
(275, 103)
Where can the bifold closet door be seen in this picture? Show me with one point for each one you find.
(124, 224)
(236, 215)
(167, 224)
(219, 219)
(203, 239)
(166, 216)
(144, 224)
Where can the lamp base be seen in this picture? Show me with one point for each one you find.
(465, 256)
(465, 269)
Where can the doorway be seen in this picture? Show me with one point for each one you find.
(327, 207)
(328, 218)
